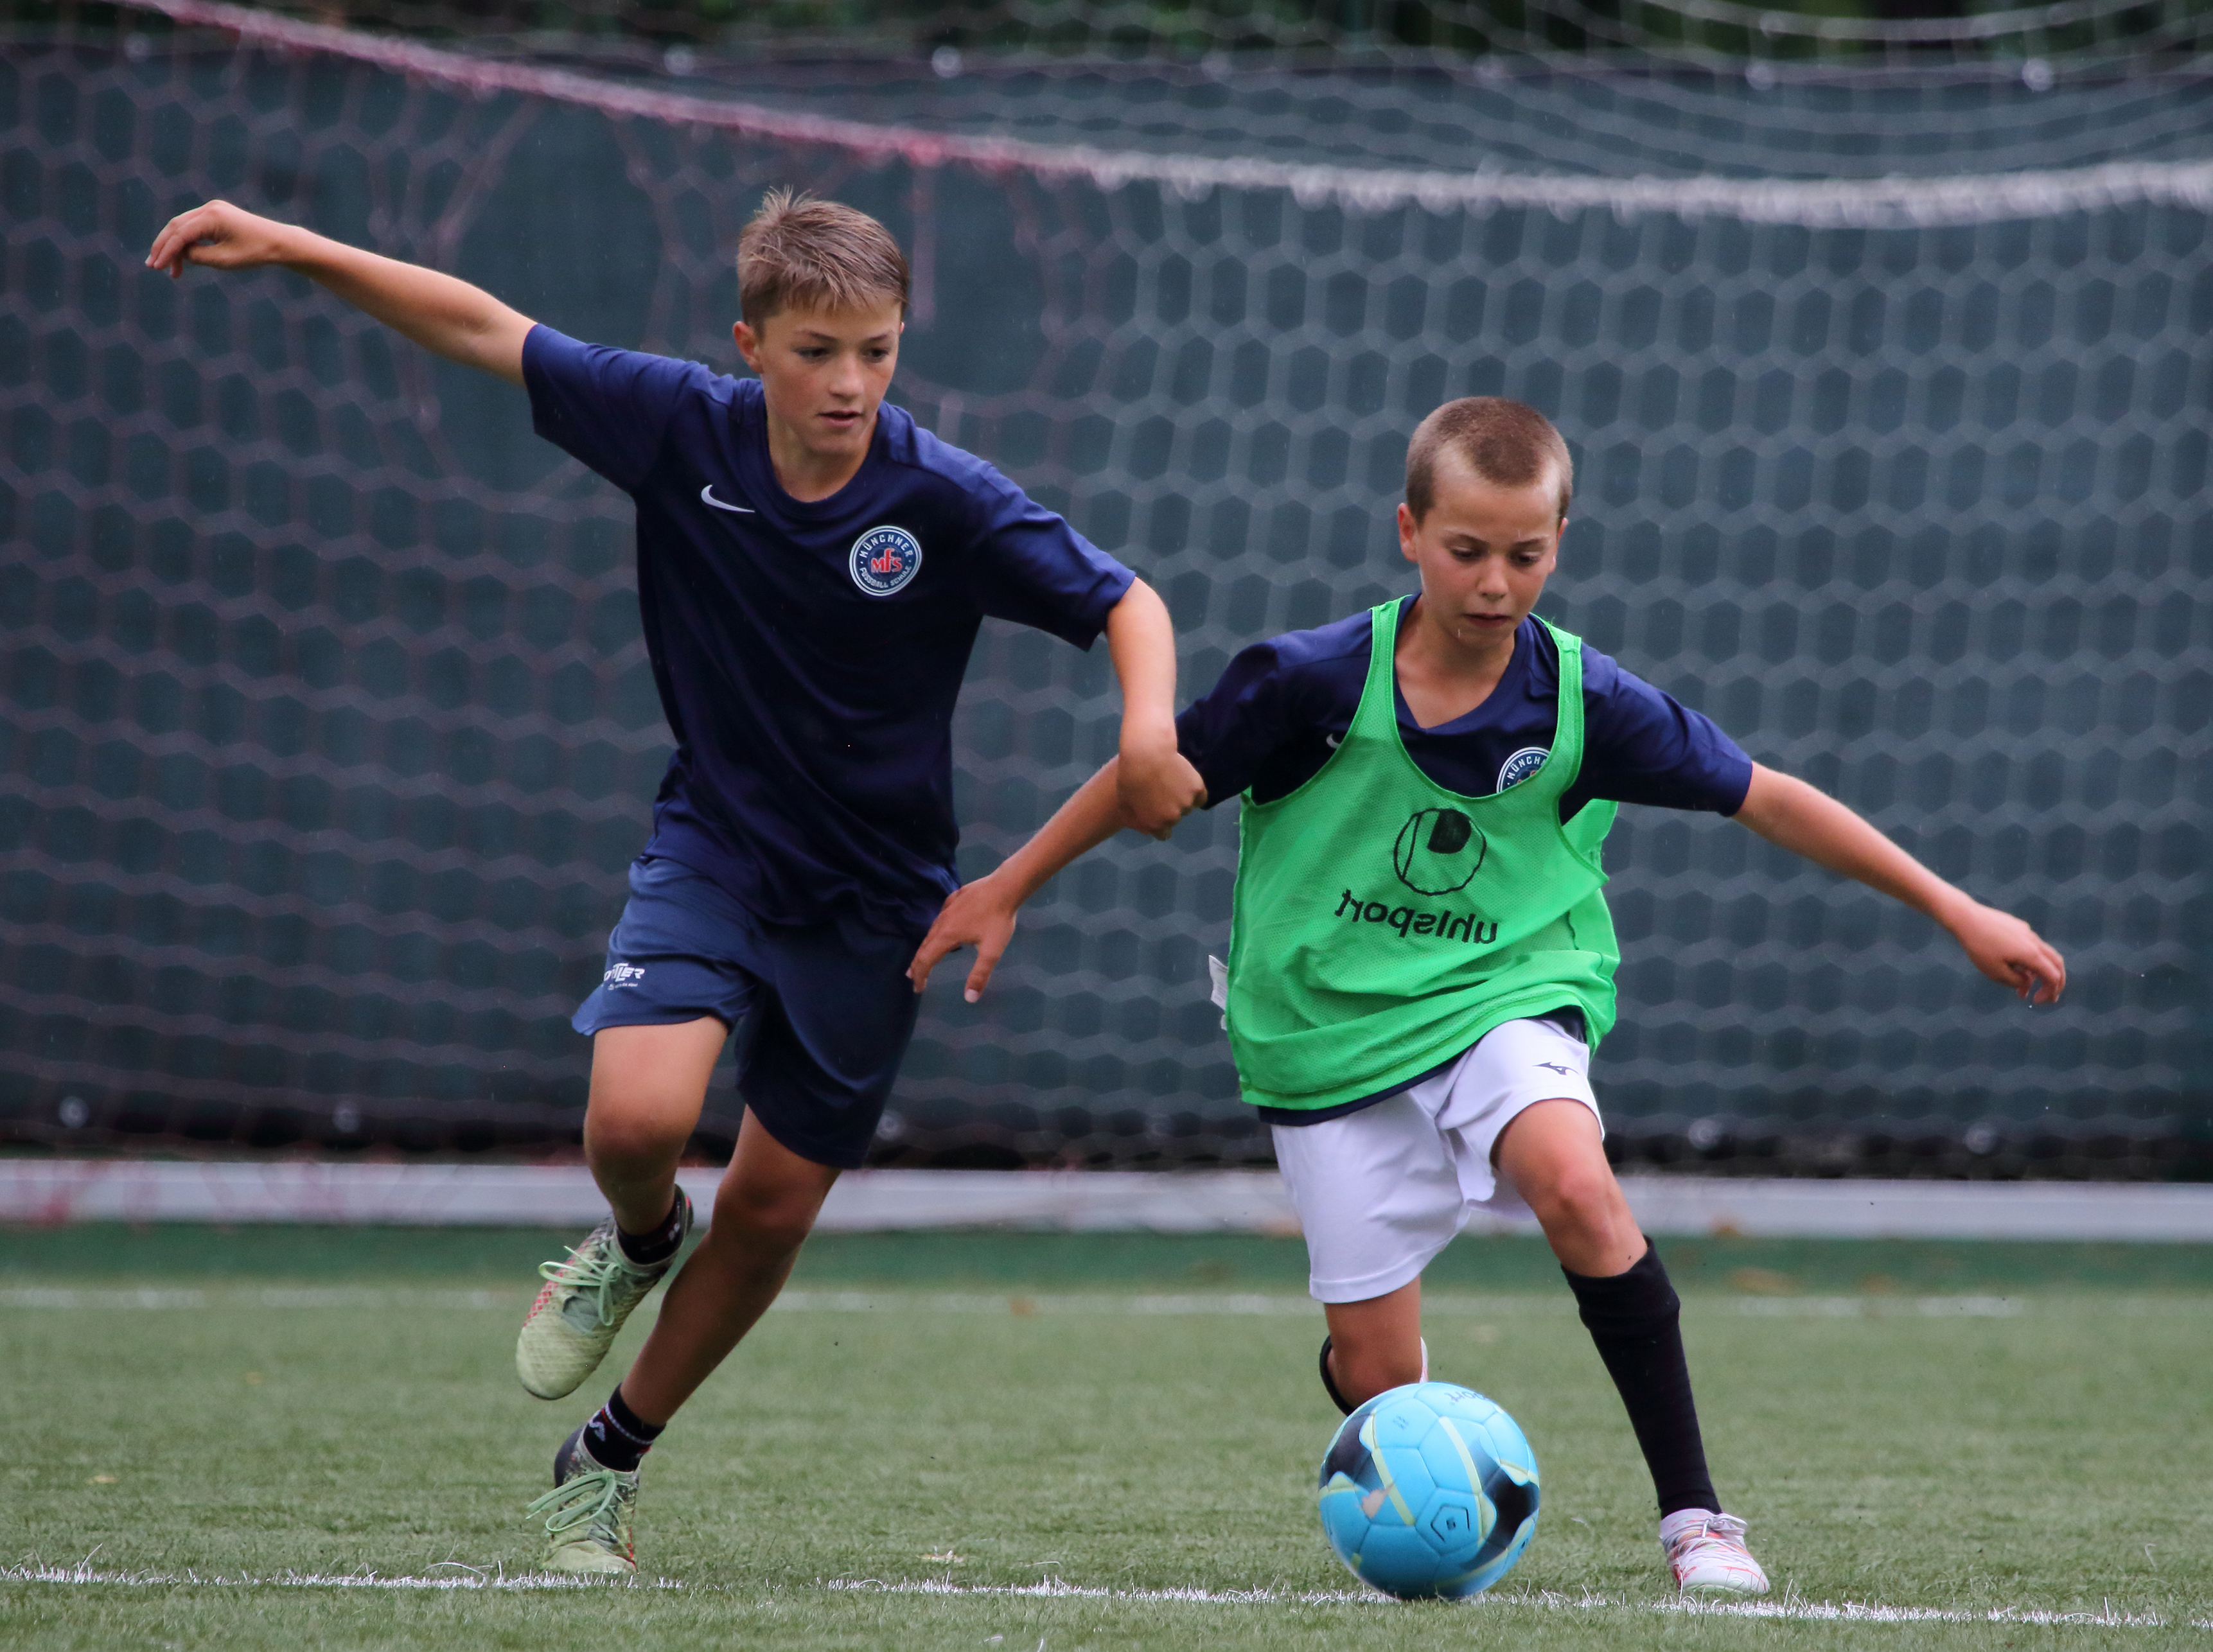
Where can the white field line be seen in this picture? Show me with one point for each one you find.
(1852, 203)
(461, 1577)
(1791, 1610)
(1022, 1305)
(158, 1299)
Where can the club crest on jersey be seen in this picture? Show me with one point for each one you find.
(886, 560)
(1520, 766)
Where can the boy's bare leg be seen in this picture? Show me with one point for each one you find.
(1555, 1157)
(764, 1210)
(1376, 1344)
(649, 1085)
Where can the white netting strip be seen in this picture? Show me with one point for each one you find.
(1883, 202)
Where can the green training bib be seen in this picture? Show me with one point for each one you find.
(1382, 925)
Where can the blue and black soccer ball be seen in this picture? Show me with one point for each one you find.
(1429, 1490)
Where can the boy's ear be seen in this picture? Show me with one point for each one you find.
(1407, 523)
(748, 344)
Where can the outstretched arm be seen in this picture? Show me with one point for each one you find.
(1158, 785)
(443, 314)
(1793, 815)
(982, 914)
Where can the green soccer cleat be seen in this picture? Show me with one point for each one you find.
(577, 1317)
(588, 1515)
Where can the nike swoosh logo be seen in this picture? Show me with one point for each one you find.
(707, 493)
(1332, 740)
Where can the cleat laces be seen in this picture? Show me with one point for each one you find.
(591, 1500)
(593, 1278)
(1716, 1542)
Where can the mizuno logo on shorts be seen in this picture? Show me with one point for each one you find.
(707, 493)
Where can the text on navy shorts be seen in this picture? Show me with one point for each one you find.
(823, 1011)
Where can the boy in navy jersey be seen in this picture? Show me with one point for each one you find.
(813, 568)
(1421, 957)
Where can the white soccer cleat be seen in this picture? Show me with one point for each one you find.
(1706, 1552)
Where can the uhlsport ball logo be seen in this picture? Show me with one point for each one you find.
(886, 560)
(1438, 850)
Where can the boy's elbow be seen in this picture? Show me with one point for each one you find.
(1776, 802)
(1764, 793)
(498, 345)
(1138, 600)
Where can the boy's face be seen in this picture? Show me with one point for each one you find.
(1485, 551)
(824, 373)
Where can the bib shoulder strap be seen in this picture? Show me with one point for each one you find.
(1377, 710)
(1567, 758)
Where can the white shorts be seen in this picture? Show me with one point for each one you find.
(1381, 1191)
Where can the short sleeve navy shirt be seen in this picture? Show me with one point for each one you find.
(808, 654)
(1283, 706)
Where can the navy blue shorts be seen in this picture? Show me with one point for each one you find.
(823, 1011)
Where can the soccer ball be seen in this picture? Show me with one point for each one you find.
(1428, 1489)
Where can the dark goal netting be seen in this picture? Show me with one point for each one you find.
(326, 730)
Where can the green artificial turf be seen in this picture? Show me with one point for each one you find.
(1958, 1428)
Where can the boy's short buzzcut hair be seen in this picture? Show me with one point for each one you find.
(801, 252)
(1507, 443)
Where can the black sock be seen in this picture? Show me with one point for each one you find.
(1330, 1383)
(649, 1248)
(1634, 1318)
(618, 1438)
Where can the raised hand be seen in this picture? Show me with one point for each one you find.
(223, 237)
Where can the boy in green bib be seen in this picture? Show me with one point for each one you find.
(1421, 960)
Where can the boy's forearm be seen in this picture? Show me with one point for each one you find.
(1796, 816)
(444, 313)
(1159, 786)
(1140, 638)
(1095, 814)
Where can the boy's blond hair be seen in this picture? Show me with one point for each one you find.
(800, 253)
(1507, 443)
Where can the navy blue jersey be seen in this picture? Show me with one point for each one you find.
(1283, 706)
(808, 654)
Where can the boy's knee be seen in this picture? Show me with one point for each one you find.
(774, 1218)
(632, 1141)
(1580, 1198)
